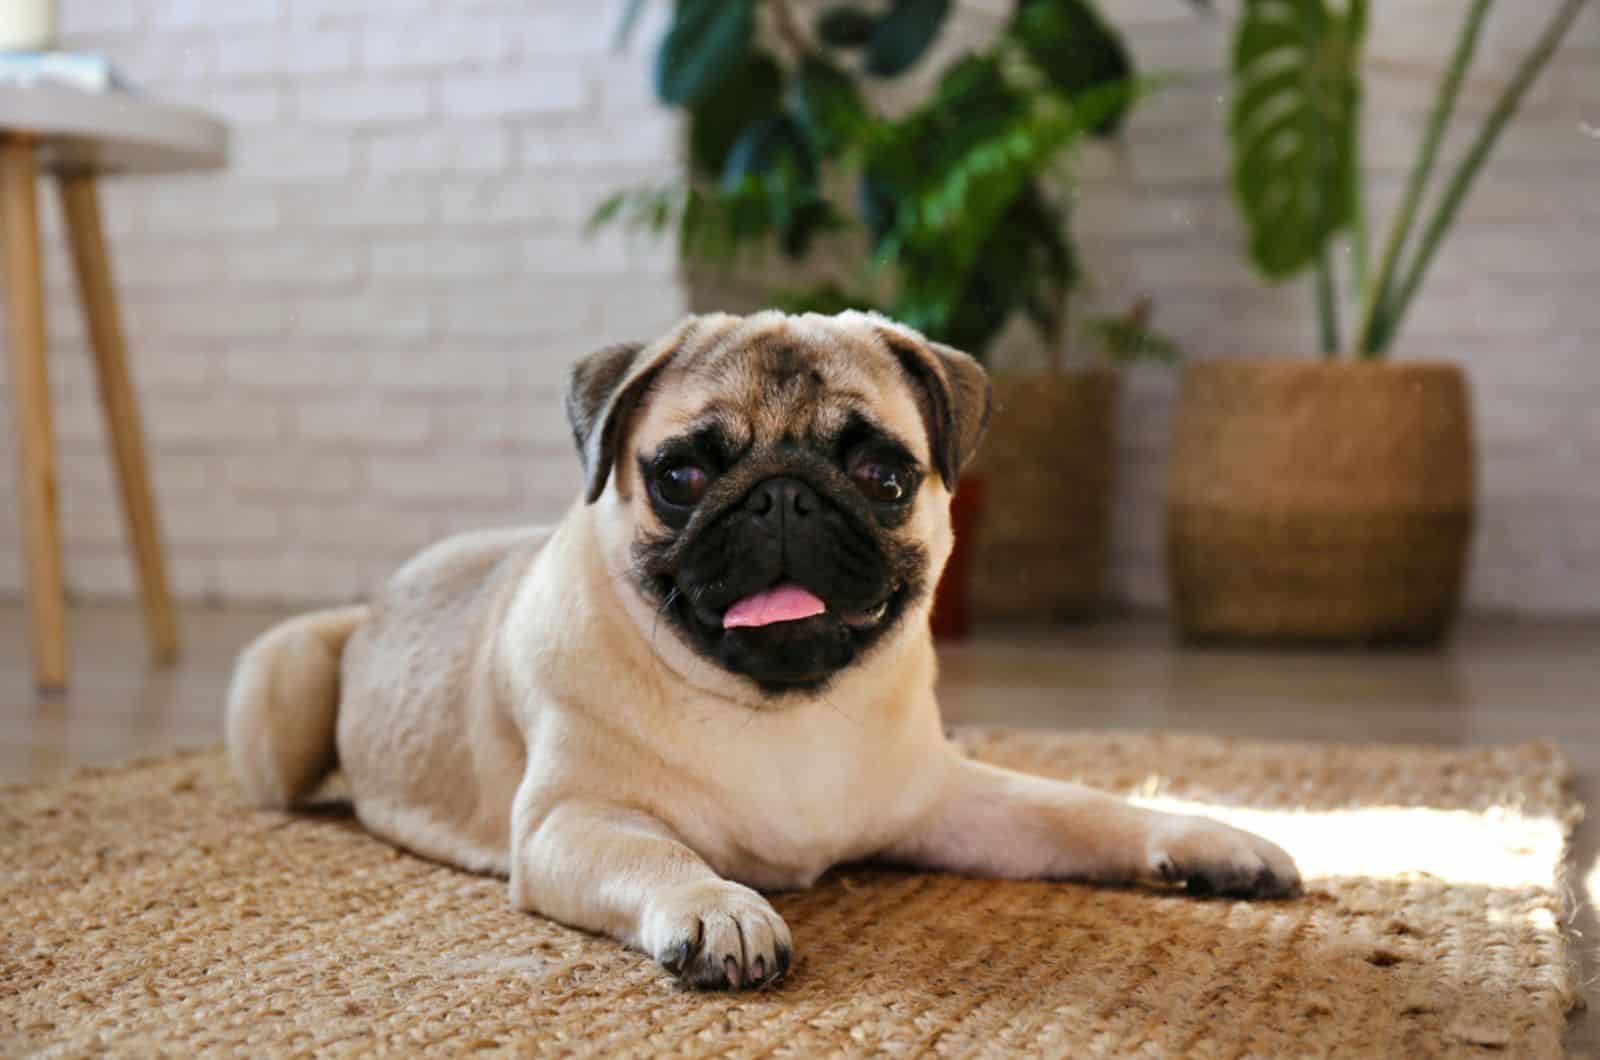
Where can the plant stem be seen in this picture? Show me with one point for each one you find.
(1359, 232)
(1359, 249)
(630, 16)
(1327, 302)
(1063, 336)
(1456, 191)
(1378, 293)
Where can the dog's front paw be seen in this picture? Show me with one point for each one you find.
(1211, 858)
(717, 934)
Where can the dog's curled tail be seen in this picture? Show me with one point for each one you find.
(283, 706)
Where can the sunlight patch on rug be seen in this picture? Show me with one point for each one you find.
(1496, 847)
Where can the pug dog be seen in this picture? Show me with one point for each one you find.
(714, 677)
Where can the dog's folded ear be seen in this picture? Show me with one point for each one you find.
(603, 392)
(953, 396)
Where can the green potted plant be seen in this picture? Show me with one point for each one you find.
(1331, 499)
(950, 217)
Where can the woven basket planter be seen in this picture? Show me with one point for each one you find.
(1322, 501)
(1048, 457)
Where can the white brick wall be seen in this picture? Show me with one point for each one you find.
(352, 341)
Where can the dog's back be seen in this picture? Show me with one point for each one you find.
(382, 690)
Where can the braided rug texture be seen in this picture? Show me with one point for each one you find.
(146, 912)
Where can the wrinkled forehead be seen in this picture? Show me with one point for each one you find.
(765, 381)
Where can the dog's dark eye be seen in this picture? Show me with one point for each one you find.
(883, 483)
(682, 485)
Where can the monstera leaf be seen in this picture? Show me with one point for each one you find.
(708, 41)
(1293, 127)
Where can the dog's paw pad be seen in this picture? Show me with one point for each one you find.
(677, 957)
(1238, 881)
(1211, 859)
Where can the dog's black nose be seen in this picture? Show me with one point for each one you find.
(779, 499)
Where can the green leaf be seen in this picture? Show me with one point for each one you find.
(971, 105)
(1127, 340)
(827, 298)
(1074, 48)
(609, 210)
(1293, 127)
(952, 196)
(630, 18)
(652, 209)
(845, 27)
(903, 35)
(708, 41)
(826, 101)
(807, 219)
(877, 204)
(957, 206)
(751, 93)
(771, 144)
(1022, 261)
(771, 175)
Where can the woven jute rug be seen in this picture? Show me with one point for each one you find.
(144, 912)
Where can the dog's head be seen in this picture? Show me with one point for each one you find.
(782, 483)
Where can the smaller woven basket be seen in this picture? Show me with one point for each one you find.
(1048, 458)
(1320, 500)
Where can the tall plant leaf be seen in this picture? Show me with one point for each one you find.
(1023, 263)
(769, 144)
(773, 168)
(826, 101)
(845, 26)
(970, 194)
(876, 203)
(1074, 48)
(1460, 182)
(1293, 126)
(708, 41)
(974, 239)
(971, 105)
(903, 34)
(1378, 294)
(630, 17)
(752, 92)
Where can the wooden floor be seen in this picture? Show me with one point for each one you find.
(1494, 684)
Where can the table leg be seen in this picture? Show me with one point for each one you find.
(30, 396)
(81, 202)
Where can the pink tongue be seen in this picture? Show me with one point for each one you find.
(781, 603)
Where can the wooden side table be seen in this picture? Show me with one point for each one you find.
(78, 137)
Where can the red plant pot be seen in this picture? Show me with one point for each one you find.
(952, 600)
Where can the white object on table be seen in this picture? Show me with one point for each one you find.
(27, 25)
(92, 73)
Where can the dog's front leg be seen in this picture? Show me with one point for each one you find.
(621, 872)
(988, 821)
